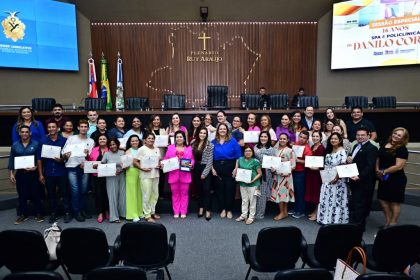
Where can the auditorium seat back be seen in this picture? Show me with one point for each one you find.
(353, 101)
(279, 100)
(384, 102)
(250, 100)
(43, 104)
(305, 101)
(217, 97)
(137, 103)
(96, 104)
(174, 101)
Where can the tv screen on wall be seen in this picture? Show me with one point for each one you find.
(370, 33)
(39, 34)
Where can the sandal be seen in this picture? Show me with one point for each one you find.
(240, 219)
(155, 216)
(150, 220)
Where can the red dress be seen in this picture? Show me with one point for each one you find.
(313, 179)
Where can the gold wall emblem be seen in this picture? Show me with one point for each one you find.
(13, 27)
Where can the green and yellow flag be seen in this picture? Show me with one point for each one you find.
(105, 91)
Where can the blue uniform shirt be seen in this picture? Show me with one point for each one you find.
(51, 167)
(18, 150)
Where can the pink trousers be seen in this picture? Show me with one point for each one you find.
(180, 198)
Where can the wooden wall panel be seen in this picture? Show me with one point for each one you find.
(280, 56)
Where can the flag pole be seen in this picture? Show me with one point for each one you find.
(119, 96)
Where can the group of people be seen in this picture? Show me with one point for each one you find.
(212, 157)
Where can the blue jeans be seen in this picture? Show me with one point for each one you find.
(299, 188)
(78, 185)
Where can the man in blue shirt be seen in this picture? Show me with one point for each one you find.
(55, 174)
(26, 180)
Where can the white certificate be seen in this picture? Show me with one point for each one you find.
(314, 161)
(172, 138)
(107, 170)
(149, 161)
(88, 166)
(170, 164)
(347, 170)
(298, 149)
(126, 161)
(243, 175)
(77, 150)
(327, 175)
(49, 151)
(251, 136)
(161, 141)
(270, 162)
(123, 142)
(24, 162)
(284, 168)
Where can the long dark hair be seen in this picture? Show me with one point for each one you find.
(268, 144)
(191, 128)
(150, 125)
(128, 145)
(329, 148)
(183, 136)
(196, 144)
(20, 119)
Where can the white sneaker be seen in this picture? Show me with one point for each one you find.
(135, 220)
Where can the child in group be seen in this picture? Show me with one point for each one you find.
(249, 200)
(115, 185)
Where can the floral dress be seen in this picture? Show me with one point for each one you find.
(333, 201)
(282, 190)
(266, 182)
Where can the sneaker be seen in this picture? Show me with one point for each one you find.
(135, 220)
(298, 215)
(85, 215)
(80, 218)
(183, 216)
(52, 218)
(21, 219)
(229, 215)
(39, 218)
(67, 218)
(291, 212)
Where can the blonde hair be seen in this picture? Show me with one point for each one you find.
(228, 134)
(404, 140)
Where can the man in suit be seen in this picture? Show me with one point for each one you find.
(364, 156)
(308, 120)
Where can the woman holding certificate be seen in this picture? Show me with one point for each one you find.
(174, 126)
(155, 127)
(134, 210)
(203, 155)
(392, 158)
(282, 192)
(115, 185)
(333, 201)
(261, 150)
(180, 179)
(147, 161)
(313, 178)
(226, 152)
(248, 185)
(99, 183)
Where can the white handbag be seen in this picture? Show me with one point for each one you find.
(344, 270)
(52, 237)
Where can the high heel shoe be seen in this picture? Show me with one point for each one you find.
(208, 216)
(200, 213)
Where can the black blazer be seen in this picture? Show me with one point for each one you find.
(365, 160)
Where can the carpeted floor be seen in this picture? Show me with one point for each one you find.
(212, 250)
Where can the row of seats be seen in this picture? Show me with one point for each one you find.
(217, 99)
(146, 246)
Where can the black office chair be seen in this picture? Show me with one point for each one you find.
(394, 248)
(279, 101)
(305, 101)
(250, 100)
(174, 101)
(384, 102)
(34, 275)
(145, 245)
(83, 249)
(353, 101)
(332, 242)
(25, 250)
(137, 103)
(43, 104)
(116, 273)
(304, 274)
(270, 254)
(383, 276)
(217, 97)
(97, 104)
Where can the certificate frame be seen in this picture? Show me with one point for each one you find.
(270, 162)
(126, 161)
(149, 162)
(327, 175)
(314, 161)
(88, 167)
(347, 170)
(298, 149)
(24, 162)
(107, 170)
(77, 150)
(285, 167)
(50, 151)
(251, 136)
(243, 175)
(170, 164)
(161, 141)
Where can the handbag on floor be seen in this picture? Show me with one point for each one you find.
(52, 237)
(344, 270)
